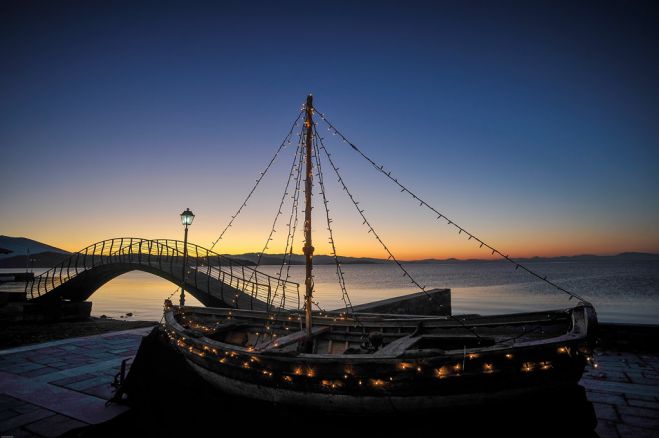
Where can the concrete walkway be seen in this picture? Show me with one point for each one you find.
(48, 389)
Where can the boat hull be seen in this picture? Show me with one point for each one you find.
(369, 404)
(417, 378)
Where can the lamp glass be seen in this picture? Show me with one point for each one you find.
(187, 217)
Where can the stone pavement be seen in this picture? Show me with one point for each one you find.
(50, 388)
(624, 390)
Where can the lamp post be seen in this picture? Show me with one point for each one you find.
(186, 219)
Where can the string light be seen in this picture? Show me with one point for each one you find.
(281, 146)
(380, 168)
(339, 272)
(292, 228)
(260, 367)
(377, 236)
(273, 229)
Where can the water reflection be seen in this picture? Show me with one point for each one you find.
(140, 293)
(621, 292)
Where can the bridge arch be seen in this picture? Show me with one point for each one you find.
(213, 279)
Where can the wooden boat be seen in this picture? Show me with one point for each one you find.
(403, 364)
(376, 363)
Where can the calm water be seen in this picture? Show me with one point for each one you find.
(620, 291)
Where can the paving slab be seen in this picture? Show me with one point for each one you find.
(624, 408)
(53, 426)
(48, 389)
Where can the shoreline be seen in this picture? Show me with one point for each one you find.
(623, 337)
(21, 334)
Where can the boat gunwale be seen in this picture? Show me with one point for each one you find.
(577, 332)
(401, 321)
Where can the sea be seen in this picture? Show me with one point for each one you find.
(621, 291)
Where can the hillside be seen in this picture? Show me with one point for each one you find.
(20, 246)
(46, 259)
(298, 259)
(46, 256)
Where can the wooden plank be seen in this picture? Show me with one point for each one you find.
(290, 339)
(397, 347)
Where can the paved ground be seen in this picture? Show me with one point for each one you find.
(624, 390)
(48, 389)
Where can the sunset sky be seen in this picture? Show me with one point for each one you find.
(532, 124)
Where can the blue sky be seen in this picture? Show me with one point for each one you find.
(533, 123)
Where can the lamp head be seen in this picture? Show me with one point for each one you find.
(187, 217)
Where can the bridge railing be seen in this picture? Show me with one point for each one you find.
(166, 255)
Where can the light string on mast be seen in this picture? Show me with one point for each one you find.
(273, 229)
(441, 216)
(377, 237)
(365, 220)
(286, 141)
(295, 210)
(339, 271)
(292, 225)
(313, 302)
(288, 251)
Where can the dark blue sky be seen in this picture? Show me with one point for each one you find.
(528, 121)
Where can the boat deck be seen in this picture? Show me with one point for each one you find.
(42, 387)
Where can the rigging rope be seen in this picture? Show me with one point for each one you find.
(292, 226)
(273, 229)
(372, 230)
(440, 216)
(365, 220)
(339, 272)
(249, 195)
(296, 165)
(290, 238)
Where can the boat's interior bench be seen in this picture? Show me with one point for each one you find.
(397, 347)
(289, 342)
(432, 342)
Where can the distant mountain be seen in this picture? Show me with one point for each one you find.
(625, 256)
(46, 256)
(45, 259)
(298, 259)
(20, 245)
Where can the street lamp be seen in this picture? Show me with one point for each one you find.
(186, 219)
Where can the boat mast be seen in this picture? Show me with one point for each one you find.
(308, 187)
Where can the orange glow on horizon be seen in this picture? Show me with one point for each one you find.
(410, 251)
